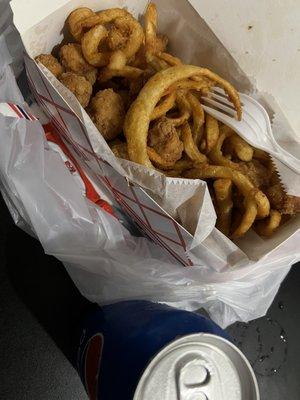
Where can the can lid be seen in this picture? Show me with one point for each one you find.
(198, 367)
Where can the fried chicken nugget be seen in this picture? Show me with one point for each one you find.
(279, 199)
(258, 174)
(164, 140)
(107, 111)
(78, 85)
(72, 59)
(119, 149)
(51, 63)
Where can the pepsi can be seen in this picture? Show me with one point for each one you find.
(141, 350)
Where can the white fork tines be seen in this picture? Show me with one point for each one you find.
(255, 126)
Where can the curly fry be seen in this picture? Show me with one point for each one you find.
(267, 227)
(91, 40)
(75, 21)
(150, 30)
(190, 84)
(216, 155)
(158, 160)
(223, 192)
(189, 145)
(156, 63)
(117, 60)
(110, 15)
(248, 218)
(183, 164)
(138, 117)
(184, 108)
(126, 72)
(164, 106)
(245, 186)
(90, 43)
(135, 38)
(171, 173)
(198, 117)
(211, 133)
(157, 58)
(179, 167)
(169, 59)
(241, 148)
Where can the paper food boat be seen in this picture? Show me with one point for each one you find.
(192, 40)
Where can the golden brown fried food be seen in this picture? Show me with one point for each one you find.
(212, 133)
(125, 95)
(258, 174)
(138, 117)
(190, 148)
(160, 162)
(91, 42)
(136, 84)
(132, 31)
(155, 44)
(107, 111)
(240, 147)
(117, 37)
(183, 107)
(75, 21)
(280, 201)
(163, 138)
(291, 205)
(200, 84)
(266, 227)
(119, 149)
(247, 219)
(179, 167)
(139, 59)
(157, 100)
(98, 34)
(82, 19)
(216, 154)
(244, 185)
(72, 59)
(79, 86)
(127, 72)
(110, 15)
(198, 117)
(164, 105)
(161, 43)
(223, 198)
(150, 30)
(51, 63)
(169, 59)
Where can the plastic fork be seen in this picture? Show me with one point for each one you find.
(255, 126)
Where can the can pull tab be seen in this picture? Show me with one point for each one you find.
(192, 378)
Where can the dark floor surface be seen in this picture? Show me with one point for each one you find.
(39, 306)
